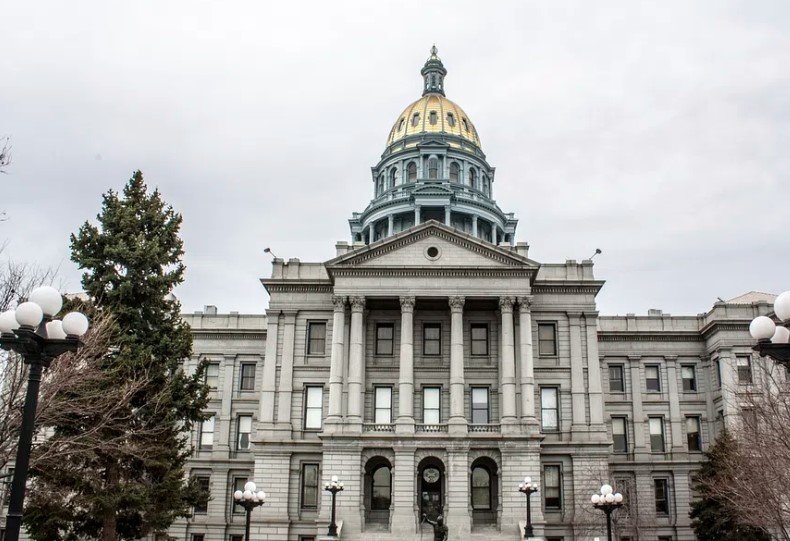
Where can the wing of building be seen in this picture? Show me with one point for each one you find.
(432, 365)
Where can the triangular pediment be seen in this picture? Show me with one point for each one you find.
(431, 245)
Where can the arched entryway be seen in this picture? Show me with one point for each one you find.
(378, 491)
(484, 491)
(431, 487)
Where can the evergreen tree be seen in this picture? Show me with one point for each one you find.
(713, 519)
(137, 485)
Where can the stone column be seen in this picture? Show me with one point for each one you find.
(474, 225)
(405, 422)
(636, 402)
(447, 220)
(356, 358)
(595, 388)
(266, 415)
(508, 364)
(577, 374)
(416, 214)
(526, 362)
(404, 519)
(391, 225)
(285, 385)
(675, 421)
(457, 421)
(336, 365)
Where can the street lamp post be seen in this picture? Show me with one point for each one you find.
(249, 499)
(607, 501)
(774, 341)
(31, 331)
(334, 486)
(528, 488)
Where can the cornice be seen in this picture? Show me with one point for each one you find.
(279, 285)
(403, 272)
(228, 334)
(725, 325)
(650, 336)
(591, 287)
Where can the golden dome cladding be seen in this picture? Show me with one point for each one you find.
(435, 114)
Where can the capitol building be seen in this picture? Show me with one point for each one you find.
(432, 365)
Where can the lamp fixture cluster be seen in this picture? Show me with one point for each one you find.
(607, 497)
(774, 340)
(250, 494)
(42, 305)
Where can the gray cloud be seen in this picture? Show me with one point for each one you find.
(657, 132)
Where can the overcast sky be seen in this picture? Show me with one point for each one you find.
(656, 131)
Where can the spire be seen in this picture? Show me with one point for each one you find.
(433, 73)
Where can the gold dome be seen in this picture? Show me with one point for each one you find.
(433, 113)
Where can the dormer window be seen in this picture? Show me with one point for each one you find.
(415, 119)
(411, 170)
(433, 118)
(454, 171)
(451, 120)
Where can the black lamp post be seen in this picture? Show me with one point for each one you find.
(249, 499)
(772, 340)
(528, 488)
(30, 331)
(607, 501)
(334, 486)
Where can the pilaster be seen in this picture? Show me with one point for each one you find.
(266, 414)
(577, 374)
(405, 422)
(594, 386)
(285, 385)
(636, 402)
(527, 363)
(336, 372)
(507, 370)
(674, 403)
(457, 424)
(355, 369)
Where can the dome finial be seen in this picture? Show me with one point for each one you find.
(433, 74)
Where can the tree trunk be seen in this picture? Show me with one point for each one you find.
(110, 520)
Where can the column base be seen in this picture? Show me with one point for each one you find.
(509, 426)
(457, 426)
(353, 425)
(404, 425)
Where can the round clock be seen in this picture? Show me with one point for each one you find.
(430, 475)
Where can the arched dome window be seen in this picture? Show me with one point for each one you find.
(433, 168)
(381, 493)
(401, 123)
(481, 489)
(433, 118)
(415, 119)
(411, 171)
(451, 120)
(393, 175)
(465, 123)
(473, 178)
(454, 171)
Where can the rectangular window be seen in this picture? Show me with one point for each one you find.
(664, 538)
(479, 339)
(432, 339)
(547, 339)
(247, 377)
(244, 429)
(314, 407)
(689, 376)
(552, 491)
(744, 370)
(656, 425)
(309, 489)
(201, 507)
(718, 373)
(235, 537)
(385, 333)
(431, 405)
(661, 489)
(383, 405)
(480, 405)
(238, 484)
(207, 433)
(198, 537)
(616, 382)
(549, 409)
(652, 379)
(623, 486)
(619, 434)
(693, 436)
(212, 375)
(316, 338)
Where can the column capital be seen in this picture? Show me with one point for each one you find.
(506, 304)
(339, 303)
(525, 302)
(407, 304)
(357, 303)
(456, 303)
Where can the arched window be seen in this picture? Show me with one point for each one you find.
(433, 118)
(465, 123)
(481, 489)
(433, 168)
(454, 171)
(381, 185)
(473, 178)
(401, 123)
(411, 170)
(485, 185)
(381, 493)
(393, 175)
(415, 119)
(451, 120)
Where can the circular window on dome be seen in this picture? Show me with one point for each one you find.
(433, 253)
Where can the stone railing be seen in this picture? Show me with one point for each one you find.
(489, 428)
(378, 427)
(431, 428)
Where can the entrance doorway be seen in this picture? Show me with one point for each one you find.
(430, 485)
